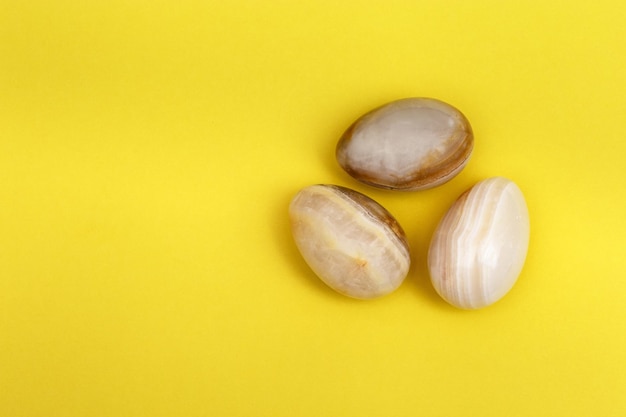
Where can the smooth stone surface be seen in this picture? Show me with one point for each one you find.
(350, 241)
(409, 144)
(479, 248)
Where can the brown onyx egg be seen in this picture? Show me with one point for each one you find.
(409, 144)
(350, 241)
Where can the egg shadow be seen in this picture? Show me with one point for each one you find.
(419, 275)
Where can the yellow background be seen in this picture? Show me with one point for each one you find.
(149, 151)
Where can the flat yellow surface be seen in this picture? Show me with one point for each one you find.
(149, 151)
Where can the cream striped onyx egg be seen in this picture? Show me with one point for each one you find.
(479, 247)
(409, 144)
(350, 241)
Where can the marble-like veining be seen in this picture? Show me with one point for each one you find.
(479, 247)
(408, 144)
(351, 242)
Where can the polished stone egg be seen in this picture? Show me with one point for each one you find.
(350, 241)
(409, 144)
(479, 248)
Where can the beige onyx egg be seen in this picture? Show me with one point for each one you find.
(479, 247)
(408, 144)
(350, 241)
